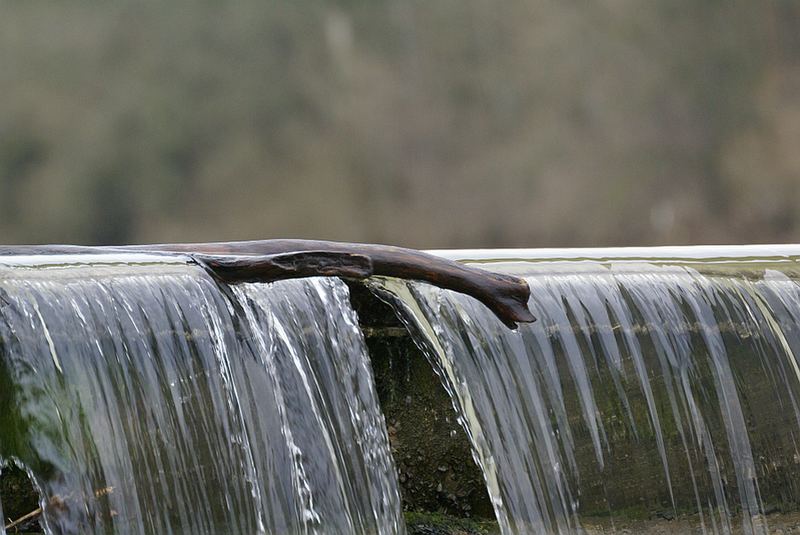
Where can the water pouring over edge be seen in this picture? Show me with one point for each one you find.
(639, 358)
(676, 365)
(204, 411)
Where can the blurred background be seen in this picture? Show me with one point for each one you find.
(455, 123)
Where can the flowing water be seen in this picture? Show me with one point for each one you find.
(143, 398)
(649, 393)
(655, 394)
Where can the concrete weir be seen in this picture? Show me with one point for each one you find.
(658, 391)
(658, 385)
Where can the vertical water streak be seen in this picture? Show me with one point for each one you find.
(147, 399)
(327, 406)
(642, 392)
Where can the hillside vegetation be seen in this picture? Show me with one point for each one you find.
(429, 124)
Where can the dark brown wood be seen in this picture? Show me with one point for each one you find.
(504, 295)
(236, 268)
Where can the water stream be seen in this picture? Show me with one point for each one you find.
(143, 398)
(649, 393)
(652, 395)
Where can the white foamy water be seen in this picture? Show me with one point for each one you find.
(144, 398)
(656, 388)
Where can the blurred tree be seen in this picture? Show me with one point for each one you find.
(452, 123)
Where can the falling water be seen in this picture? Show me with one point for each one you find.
(647, 394)
(143, 398)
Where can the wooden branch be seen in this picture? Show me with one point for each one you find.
(266, 260)
(24, 518)
(54, 501)
(239, 268)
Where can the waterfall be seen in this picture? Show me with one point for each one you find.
(142, 397)
(646, 390)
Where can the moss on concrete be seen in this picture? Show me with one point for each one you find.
(438, 524)
(431, 450)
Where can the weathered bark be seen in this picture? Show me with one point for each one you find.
(238, 268)
(267, 260)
